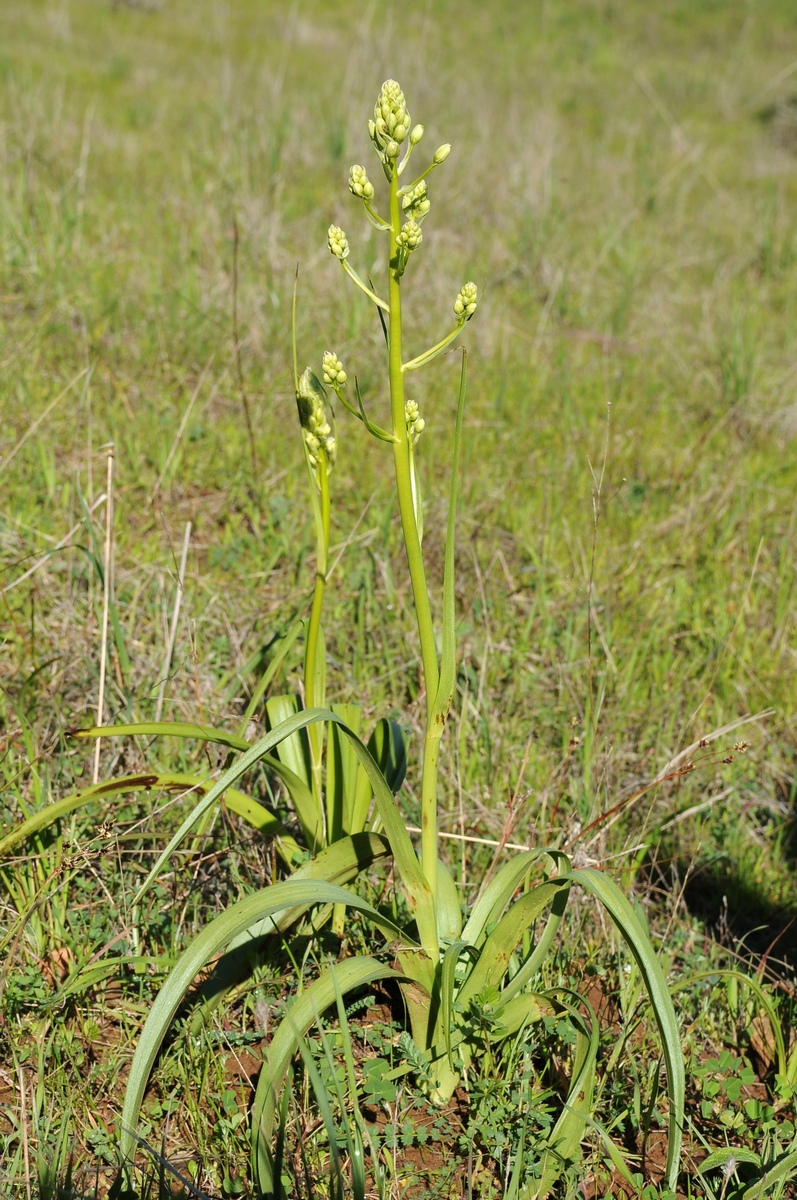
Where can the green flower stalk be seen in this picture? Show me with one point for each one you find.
(320, 448)
(464, 307)
(360, 185)
(408, 206)
(339, 246)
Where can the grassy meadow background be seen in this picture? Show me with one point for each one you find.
(622, 188)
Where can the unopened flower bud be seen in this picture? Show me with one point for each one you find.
(316, 431)
(466, 301)
(442, 154)
(359, 183)
(338, 242)
(416, 203)
(416, 135)
(415, 422)
(391, 122)
(411, 236)
(333, 369)
(311, 442)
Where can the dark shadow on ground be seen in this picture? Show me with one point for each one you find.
(735, 914)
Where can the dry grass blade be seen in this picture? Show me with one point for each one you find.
(178, 598)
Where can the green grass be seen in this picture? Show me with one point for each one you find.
(622, 188)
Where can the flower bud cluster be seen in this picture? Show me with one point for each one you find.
(333, 370)
(391, 122)
(359, 183)
(316, 429)
(466, 302)
(338, 242)
(410, 237)
(416, 203)
(415, 422)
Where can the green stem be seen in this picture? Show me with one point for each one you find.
(412, 542)
(315, 637)
(401, 458)
(428, 355)
(352, 274)
(374, 430)
(374, 218)
(430, 849)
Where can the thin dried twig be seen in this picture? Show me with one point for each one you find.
(175, 618)
(58, 546)
(42, 416)
(106, 599)
(23, 1112)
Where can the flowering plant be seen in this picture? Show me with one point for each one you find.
(455, 971)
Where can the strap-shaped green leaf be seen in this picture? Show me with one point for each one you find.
(521, 1010)
(265, 821)
(418, 892)
(626, 920)
(339, 863)
(341, 978)
(732, 1154)
(342, 772)
(293, 750)
(178, 729)
(782, 1171)
(295, 894)
(496, 896)
(448, 988)
(301, 798)
(297, 787)
(540, 952)
(501, 943)
(389, 750)
(565, 1137)
(449, 906)
(252, 756)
